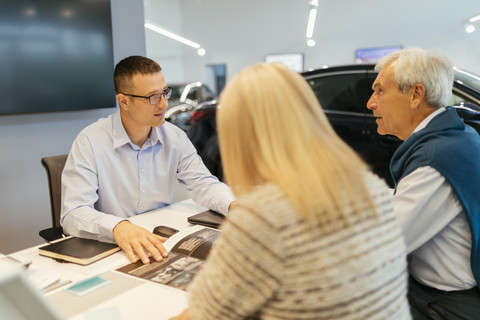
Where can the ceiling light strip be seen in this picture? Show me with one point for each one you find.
(311, 22)
(171, 35)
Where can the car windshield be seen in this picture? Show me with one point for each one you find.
(177, 91)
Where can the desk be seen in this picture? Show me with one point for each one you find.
(125, 297)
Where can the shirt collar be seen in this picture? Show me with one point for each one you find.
(120, 136)
(425, 121)
(156, 135)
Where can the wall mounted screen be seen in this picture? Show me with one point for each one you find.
(292, 60)
(55, 55)
(373, 55)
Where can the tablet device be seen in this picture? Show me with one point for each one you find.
(207, 218)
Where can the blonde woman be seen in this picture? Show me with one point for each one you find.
(312, 234)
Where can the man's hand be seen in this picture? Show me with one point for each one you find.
(136, 241)
(183, 316)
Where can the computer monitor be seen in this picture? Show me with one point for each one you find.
(20, 299)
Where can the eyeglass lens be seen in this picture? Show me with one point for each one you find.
(154, 99)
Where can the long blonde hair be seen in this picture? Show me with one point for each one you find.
(272, 129)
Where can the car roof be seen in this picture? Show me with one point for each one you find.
(467, 81)
(348, 67)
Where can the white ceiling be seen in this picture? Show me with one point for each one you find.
(240, 33)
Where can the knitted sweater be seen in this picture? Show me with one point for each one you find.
(269, 263)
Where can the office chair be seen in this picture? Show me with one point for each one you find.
(54, 167)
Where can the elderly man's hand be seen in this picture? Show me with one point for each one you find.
(137, 241)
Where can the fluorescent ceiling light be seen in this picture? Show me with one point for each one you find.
(469, 28)
(171, 35)
(311, 18)
(473, 19)
(311, 22)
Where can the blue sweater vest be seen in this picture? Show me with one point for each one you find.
(453, 149)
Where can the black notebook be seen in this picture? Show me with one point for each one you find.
(207, 218)
(78, 250)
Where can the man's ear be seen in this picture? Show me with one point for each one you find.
(417, 95)
(122, 101)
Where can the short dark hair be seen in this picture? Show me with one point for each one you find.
(130, 66)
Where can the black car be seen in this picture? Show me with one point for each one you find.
(185, 97)
(343, 93)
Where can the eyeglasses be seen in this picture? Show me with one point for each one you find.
(154, 98)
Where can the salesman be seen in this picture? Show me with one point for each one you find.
(127, 164)
(437, 180)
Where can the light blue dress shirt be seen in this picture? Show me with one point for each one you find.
(107, 178)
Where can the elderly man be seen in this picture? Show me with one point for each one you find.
(437, 182)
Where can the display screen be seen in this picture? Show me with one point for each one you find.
(292, 60)
(55, 55)
(373, 55)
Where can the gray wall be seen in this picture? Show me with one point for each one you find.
(25, 139)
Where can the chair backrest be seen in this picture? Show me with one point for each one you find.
(54, 166)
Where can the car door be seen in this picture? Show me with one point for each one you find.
(343, 95)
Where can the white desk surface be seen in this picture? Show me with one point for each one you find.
(125, 297)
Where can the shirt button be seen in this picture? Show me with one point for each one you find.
(141, 207)
(143, 190)
(143, 170)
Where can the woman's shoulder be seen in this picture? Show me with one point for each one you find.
(266, 203)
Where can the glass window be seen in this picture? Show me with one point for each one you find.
(469, 79)
(177, 91)
(343, 92)
(460, 97)
(205, 93)
(456, 99)
(192, 94)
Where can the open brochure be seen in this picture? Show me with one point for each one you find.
(188, 250)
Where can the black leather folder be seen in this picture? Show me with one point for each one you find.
(207, 218)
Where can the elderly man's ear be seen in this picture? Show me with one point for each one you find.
(417, 95)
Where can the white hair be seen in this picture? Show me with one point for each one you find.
(432, 68)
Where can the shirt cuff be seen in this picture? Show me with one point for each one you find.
(225, 204)
(109, 222)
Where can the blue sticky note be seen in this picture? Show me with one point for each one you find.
(88, 285)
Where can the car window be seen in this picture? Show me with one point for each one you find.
(192, 94)
(467, 78)
(463, 95)
(457, 99)
(177, 92)
(206, 94)
(347, 92)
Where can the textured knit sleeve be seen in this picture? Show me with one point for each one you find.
(242, 273)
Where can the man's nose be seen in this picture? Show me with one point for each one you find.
(370, 103)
